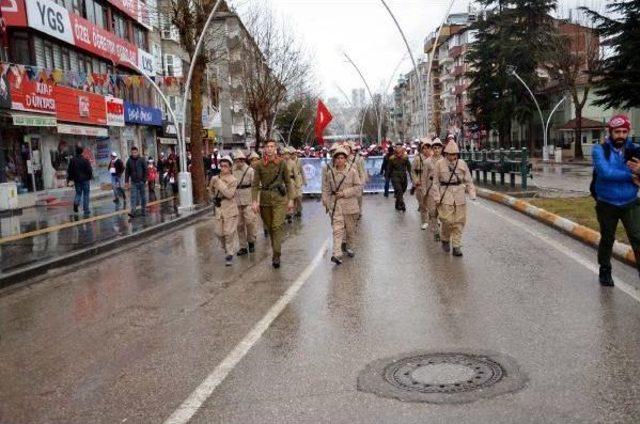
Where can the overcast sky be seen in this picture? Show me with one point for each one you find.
(365, 31)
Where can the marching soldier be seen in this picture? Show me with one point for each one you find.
(398, 168)
(294, 175)
(223, 189)
(303, 182)
(453, 179)
(432, 195)
(272, 193)
(362, 173)
(247, 220)
(254, 158)
(419, 177)
(340, 188)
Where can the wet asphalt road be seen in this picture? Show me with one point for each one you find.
(128, 337)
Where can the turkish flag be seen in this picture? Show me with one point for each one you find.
(323, 118)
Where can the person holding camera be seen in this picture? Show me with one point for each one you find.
(615, 188)
(272, 194)
(223, 189)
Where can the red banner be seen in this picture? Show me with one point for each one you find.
(14, 13)
(323, 118)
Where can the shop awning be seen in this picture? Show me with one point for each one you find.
(83, 130)
(587, 124)
(22, 119)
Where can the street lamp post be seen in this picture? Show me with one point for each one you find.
(293, 124)
(546, 127)
(184, 177)
(511, 70)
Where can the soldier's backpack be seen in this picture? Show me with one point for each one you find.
(592, 187)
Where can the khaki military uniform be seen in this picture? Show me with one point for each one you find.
(247, 219)
(295, 174)
(419, 178)
(345, 211)
(303, 182)
(268, 176)
(432, 193)
(223, 188)
(360, 165)
(452, 209)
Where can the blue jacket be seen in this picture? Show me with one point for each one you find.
(614, 183)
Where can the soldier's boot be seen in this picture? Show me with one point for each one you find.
(605, 277)
(345, 249)
(436, 237)
(242, 252)
(289, 219)
(276, 262)
(299, 214)
(266, 233)
(457, 252)
(252, 247)
(446, 246)
(336, 260)
(228, 261)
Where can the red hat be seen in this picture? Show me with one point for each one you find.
(619, 121)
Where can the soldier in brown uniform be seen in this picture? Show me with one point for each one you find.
(254, 158)
(340, 188)
(293, 170)
(432, 196)
(247, 220)
(420, 182)
(223, 189)
(362, 173)
(272, 193)
(302, 183)
(453, 180)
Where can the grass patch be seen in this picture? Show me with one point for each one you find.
(577, 209)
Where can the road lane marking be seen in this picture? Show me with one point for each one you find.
(199, 396)
(626, 288)
(74, 223)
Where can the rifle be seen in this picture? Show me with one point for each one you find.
(450, 178)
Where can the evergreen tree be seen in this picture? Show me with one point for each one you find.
(618, 79)
(514, 33)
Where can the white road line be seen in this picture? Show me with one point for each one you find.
(199, 396)
(591, 266)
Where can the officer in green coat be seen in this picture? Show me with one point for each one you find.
(272, 194)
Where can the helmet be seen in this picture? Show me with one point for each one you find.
(339, 151)
(253, 155)
(227, 158)
(619, 121)
(238, 154)
(436, 142)
(452, 148)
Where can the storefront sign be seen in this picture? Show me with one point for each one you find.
(82, 130)
(115, 111)
(54, 20)
(80, 106)
(33, 96)
(34, 121)
(167, 141)
(169, 129)
(13, 12)
(143, 115)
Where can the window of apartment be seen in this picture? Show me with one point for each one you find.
(19, 48)
(49, 61)
(139, 37)
(65, 59)
(119, 25)
(101, 15)
(89, 11)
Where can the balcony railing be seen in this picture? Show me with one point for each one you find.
(455, 51)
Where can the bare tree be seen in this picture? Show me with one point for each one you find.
(189, 17)
(573, 57)
(275, 65)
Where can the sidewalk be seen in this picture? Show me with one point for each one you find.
(44, 235)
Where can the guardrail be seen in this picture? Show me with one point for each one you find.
(499, 162)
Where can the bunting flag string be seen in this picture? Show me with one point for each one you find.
(82, 80)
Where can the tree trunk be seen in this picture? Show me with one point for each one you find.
(197, 164)
(578, 148)
(258, 135)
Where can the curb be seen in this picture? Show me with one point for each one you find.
(621, 251)
(41, 268)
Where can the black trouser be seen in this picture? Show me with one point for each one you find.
(399, 188)
(608, 217)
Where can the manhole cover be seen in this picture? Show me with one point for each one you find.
(442, 377)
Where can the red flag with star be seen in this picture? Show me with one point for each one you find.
(323, 118)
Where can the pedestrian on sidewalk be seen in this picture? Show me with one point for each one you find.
(452, 180)
(162, 169)
(247, 219)
(341, 187)
(80, 173)
(223, 189)
(272, 194)
(116, 169)
(383, 170)
(615, 188)
(419, 175)
(432, 196)
(136, 172)
(398, 171)
(152, 178)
